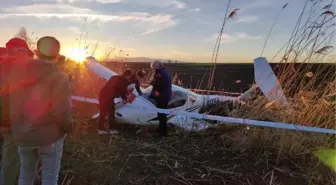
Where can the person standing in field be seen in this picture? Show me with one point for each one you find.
(40, 111)
(136, 80)
(116, 86)
(17, 51)
(161, 93)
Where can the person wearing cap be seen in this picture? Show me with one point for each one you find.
(40, 112)
(161, 93)
(16, 51)
(116, 86)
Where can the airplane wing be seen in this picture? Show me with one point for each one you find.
(102, 71)
(92, 100)
(87, 100)
(84, 99)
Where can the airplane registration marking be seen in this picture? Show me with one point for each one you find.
(213, 101)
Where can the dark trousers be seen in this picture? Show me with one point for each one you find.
(163, 130)
(106, 107)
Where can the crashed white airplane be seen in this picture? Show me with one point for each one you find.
(141, 111)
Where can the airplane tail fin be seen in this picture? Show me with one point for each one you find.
(267, 81)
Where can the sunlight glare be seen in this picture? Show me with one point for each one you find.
(76, 54)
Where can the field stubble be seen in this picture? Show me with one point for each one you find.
(230, 154)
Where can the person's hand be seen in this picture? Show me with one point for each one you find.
(125, 101)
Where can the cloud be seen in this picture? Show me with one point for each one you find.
(257, 4)
(74, 29)
(151, 31)
(176, 52)
(194, 10)
(128, 49)
(74, 1)
(245, 36)
(94, 42)
(68, 11)
(227, 38)
(47, 8)
(151, 23)
(179, 4)
(108, 1)
(246, 19)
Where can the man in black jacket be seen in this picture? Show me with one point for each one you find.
(161, 93)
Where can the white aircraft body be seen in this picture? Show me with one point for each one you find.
(141, 111)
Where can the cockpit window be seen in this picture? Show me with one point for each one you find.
(179, 95)
(178, 99)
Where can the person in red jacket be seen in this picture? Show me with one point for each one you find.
(115, 87)
(16, 51)
(3, 53)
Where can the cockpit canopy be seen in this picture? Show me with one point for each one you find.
(179, 96)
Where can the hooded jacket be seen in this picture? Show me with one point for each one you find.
(162, 85)
(5, 66)
(39, 103)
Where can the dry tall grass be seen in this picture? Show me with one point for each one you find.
(311, 94)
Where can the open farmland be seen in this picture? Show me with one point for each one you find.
(229, 155)
(227, 74)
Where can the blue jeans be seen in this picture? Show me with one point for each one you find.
(10, 162)
(50, 157)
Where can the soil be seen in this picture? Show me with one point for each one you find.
(216, 156)
(137, 156)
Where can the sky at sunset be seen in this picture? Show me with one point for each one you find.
(183, 30)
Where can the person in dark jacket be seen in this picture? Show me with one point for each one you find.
(16, 50)
(115, 87)
(136, 80)
(161, 93)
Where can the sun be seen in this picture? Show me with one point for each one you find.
(76, 54)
